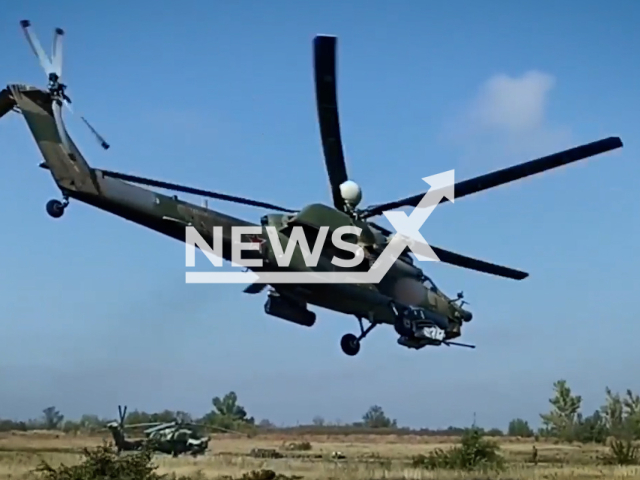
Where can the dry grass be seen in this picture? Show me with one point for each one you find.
(367, 457)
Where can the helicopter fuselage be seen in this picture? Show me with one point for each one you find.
(404, 285)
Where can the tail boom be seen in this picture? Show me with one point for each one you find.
(77, 180)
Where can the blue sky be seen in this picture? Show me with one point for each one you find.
(219, 95)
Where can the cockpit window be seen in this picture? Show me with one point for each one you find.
(429, 284)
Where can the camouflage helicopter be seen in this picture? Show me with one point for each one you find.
(405, 297)
(173, 438)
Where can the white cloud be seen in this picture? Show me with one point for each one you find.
(513, 104)
(508, 118)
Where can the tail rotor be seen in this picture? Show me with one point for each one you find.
(53, 69)
(122, 415)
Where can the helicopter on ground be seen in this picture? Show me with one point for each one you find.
(172, 438)
(405, 297)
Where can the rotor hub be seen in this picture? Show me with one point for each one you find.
(57, 89)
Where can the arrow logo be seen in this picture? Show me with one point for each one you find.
(408, 236)
(442, 185)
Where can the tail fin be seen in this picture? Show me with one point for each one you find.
(7, 103)
(70, 170)
(118, 437)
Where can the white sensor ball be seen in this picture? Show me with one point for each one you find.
(351, 193)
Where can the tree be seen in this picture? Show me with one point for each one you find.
(591, 429)
(560, 421)
(375, 418)
(52, 418)
(70, 426)
(137, 416)
(227, 413)
(90, 422)
(519, 428)
(318, 421)
(266, 423)
(165, 416)
(8, 425)
(631, 406)
(183, 417)
(613, 412)
(622, 415)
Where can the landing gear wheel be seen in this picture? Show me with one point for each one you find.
(55, 208)
(350, 344)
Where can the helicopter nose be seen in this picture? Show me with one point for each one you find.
(466, 316)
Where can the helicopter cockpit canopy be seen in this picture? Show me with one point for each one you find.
(427, 282)
(405, 255)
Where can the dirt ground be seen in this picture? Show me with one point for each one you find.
(367, 457)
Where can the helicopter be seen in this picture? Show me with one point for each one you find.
(421, 313)
(173, 438)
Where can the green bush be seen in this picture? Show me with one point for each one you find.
(519, 428)
(473, 453)
(303, 446)
(622, 452)
(262, 475)
(102, 463)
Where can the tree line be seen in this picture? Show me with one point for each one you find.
(619, 417)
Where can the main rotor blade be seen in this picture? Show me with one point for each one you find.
(324, 51)
(458, 260)
(34, 43)
(463, 261)
(146, 424)
(56, 56)
(510, 174)
(223, 429)
(194, 191)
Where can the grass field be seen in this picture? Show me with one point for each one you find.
(367, 457)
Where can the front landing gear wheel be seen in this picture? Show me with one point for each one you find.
(55, 208)
(350, 344)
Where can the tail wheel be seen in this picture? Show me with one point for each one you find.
(55, 208)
